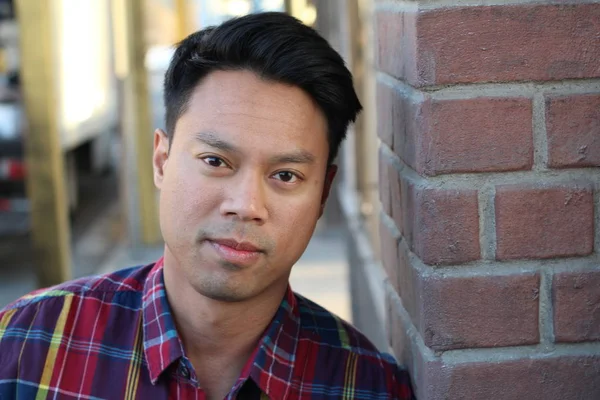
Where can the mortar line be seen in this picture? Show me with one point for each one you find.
(572, 177)
(546, 308)
(397, 163)
(505, 89)
(540, 139)
(570, 87)
(487, 222)
(402, 87)
(506, 268)
(413, 331)
(383, 145)
(499, 89)
(395, 305)
(390, 224)
(503, 354)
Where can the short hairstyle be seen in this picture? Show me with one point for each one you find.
(276, 47)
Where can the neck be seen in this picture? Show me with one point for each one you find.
(217, 334)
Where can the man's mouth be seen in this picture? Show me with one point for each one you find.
(235, 252)
(234, 244)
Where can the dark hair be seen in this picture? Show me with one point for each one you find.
(275, 46)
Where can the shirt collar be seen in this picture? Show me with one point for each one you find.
(162, 345)
(274, 359)
(273, 367)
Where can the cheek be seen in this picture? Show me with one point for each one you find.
(296, 222)
(186, 196)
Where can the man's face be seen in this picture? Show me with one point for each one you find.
(243, 184)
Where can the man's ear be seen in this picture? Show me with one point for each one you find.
(329, 175)
(160, 156)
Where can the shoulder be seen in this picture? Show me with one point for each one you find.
(332, 331)
(54, 300)
(342, 349)
(64, 320)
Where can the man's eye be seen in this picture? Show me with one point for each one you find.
(286, 176)
(214, 161)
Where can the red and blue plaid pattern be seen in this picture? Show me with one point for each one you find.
(114, 337)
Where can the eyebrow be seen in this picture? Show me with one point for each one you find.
(296, 157)
(211, 139)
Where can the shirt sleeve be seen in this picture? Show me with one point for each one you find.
(27, 336)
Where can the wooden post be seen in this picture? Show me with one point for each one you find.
(46, 184)
(289, 7)
(182, 13)
(137, 180)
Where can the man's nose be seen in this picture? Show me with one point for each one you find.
(245, 199)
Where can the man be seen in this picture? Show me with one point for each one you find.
(255, 112)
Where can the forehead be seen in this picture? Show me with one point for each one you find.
(252, 111)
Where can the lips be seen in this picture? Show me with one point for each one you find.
(234, 252)
(234, 244)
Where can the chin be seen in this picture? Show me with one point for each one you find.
(224, 292)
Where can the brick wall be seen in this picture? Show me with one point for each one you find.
(489, 120)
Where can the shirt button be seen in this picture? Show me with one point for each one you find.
(184, 371)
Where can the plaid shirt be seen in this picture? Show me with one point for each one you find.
(114, 337)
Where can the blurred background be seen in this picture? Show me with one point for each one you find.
(463, 228)
(80, 96)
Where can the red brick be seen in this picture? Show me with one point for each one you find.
(395, 38)
(397, 332)
(384, 187)
(576, 306)
(407, 351)
(537, 377)
(484, 134)
(573, 129)
(409, 283)
(410, 116)
(407, 208)
(398, 121)
(395, 187)
(479, 311)
(503, 43)
(543, 222)
(389, 253)
(446, 226)
(385, 113)
(453, 312)
(389, 28)
(478, 135)
(567, 377)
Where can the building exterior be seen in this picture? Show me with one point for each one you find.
(475, 247)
